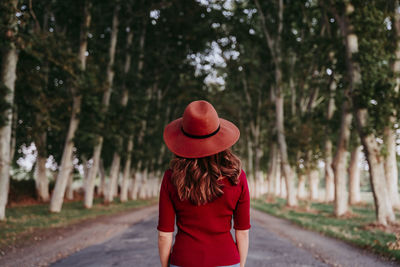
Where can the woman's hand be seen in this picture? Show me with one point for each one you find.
(164, 247)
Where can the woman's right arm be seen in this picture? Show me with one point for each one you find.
(242, 243)
(241, 218)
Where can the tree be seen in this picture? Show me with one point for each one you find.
(274, 45)
(89, 190)
(66, 161)
(8, 77)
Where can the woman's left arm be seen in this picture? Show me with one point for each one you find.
(164, 247)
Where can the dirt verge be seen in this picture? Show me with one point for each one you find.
(48, 245)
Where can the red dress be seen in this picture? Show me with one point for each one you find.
(204, 238)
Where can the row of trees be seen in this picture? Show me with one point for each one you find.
(94, 84)
(317, 81)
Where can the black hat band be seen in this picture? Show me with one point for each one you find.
(201, 136)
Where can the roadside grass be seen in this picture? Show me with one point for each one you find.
(24, 220)
(356, 228)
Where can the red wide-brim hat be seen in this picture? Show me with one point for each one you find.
(200, 132)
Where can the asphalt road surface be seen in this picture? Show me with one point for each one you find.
(273, 242)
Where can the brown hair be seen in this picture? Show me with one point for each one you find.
(196, 179)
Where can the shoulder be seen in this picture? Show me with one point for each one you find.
(166, 180)
(242, 177)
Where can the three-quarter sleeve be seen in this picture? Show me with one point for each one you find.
(166, 212)
(241, 214)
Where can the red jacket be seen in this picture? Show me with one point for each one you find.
(204, 238)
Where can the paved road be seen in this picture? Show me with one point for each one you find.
(137, 246)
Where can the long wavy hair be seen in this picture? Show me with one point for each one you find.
(196, 179)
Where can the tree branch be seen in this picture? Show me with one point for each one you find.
(270, 41)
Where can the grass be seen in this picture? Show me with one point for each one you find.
(23, 220)
(355, 228)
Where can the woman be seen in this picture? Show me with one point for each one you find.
(204, 187)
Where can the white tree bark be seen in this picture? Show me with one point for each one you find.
(301, 187)
(391, 170)
(102, 183)
(278, 174)
(390, 165)
(140, 185)
(287, 169)
(57, 196)
(126, 174)
(8, 77)
(41, 180)
(340, 161)
(66, 160)
(111, 189)
(70, 190)
(133, 186)
(314, 184)
(383, 204)
(283, 187)
(354, 176)
(91, 179)
(271, 170)
(88, 200)
(13, 132)
(329, 175)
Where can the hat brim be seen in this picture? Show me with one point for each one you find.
(189, 147)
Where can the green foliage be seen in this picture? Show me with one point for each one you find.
(375, 56)
(177, 46)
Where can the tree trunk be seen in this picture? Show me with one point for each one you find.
(287, 169)
(314, 184)
(140, 184)
(41, 180)
(339, 163)
(13, 132)
(354, 176)
(102, 184)
(275, 46)
(278, 174)
(66, 160)
(127, 168)
(88, 200)
(111, 189)
(391, 170)
(301, 187)
(8, 77)
(124, 101)
(250, 156)
(283, 187)
(329, 175)
(70, 189)
(272, 171)
(91, 179)
(384, 210)
(133, 186)
(390, 164)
